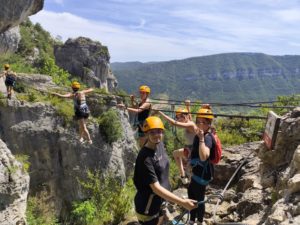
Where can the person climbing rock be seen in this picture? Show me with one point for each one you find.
(202, 169)
(81, 109)
(151, 176)
(10, 80)
(141, 109)
(183, 119)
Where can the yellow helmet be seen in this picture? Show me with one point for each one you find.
(6, 66)
(75, 85)
(145, 88)
(181, 111)
(205, 113)
(153, 122)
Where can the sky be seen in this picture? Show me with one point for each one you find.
(162, 30)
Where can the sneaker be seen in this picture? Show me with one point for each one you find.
(81, 140)
(184, 180)
(90, 142)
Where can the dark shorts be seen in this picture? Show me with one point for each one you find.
(187, 151)
(79, 115)
(9, 83)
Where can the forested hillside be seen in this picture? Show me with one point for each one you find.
(232, 77)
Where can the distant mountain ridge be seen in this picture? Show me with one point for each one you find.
(230, 77)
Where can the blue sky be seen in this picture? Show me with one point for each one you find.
(160, 30)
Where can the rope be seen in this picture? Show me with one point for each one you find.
(228, 183)
(195, 103)
(247, 104)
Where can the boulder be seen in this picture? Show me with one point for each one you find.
(57, 158)
(14, 187)
(9, 40)
(88, 60)
(13, 12)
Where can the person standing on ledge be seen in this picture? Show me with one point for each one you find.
(10, 80)
(151, 177)
(81, 109)
(141, 109)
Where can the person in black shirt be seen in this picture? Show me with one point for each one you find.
(202, 169)
(142, 109)
(151, 176)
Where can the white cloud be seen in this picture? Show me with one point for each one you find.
(289, 15)
(156, 32)
(123, 45)
(60, 2)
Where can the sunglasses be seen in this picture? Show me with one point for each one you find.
(201, 122)
(153, 132)
(179, 117)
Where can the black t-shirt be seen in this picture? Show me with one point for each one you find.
(151, 166)
(208, 170)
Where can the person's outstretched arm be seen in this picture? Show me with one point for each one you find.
(68, 95)
(174, 122)
(188, 107)
(188, 204)
(143, 107)
(88, 91)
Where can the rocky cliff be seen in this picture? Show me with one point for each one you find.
(13, 12)
(87, 59)
(56, 156)
(14, 187)
(266, 190)
(9, 40)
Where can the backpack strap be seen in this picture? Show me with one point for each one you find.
(205, 165)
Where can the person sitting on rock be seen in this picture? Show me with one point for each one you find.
(81, 109)
(183, 120)
(151, 176)
(141, 109)
(10, 80)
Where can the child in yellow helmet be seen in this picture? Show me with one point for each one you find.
(81, 109)
(151, 176)
(202, 169)
(183, 120)
(10, 80)
(141, 109)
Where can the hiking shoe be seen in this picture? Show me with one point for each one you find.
(184, 180)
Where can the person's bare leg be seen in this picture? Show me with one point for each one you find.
(86, 132)
(178, 155)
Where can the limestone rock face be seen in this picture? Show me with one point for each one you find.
(87, 59)
(283, 165)
(56, 156)
(13, 12)
(14, 187)
(9, 40)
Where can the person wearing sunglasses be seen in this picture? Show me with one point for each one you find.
(141, 109)
(151, 176)
(183, 119)
(202, 169)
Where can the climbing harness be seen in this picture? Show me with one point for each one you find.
(219, 196)
(209, 198)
